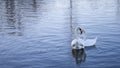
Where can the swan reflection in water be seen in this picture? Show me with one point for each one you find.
(79, 55)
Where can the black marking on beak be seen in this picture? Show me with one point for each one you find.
(80, 30)
(74, 45)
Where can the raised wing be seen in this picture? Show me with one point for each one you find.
(88, 42)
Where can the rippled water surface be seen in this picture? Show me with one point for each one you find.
(38, 33)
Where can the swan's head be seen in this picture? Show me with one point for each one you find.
(81, 31)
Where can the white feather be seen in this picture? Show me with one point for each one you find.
(81, 42)
(88, 42)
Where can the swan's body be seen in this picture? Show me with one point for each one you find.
(88, 42)
(79, 42)
(76, 44)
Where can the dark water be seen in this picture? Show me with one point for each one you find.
(38, 33)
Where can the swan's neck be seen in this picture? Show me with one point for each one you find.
(76, 33)
(84, 35)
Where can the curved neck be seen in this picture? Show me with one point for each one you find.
(84, 35)
(76, 33)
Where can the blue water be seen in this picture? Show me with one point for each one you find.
(38, 33)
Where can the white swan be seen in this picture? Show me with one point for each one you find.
(76, 44)
(81, 41)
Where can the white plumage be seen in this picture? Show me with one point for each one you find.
(76, 44)
(79, 42)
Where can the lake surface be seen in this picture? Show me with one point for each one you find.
(38, 33)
